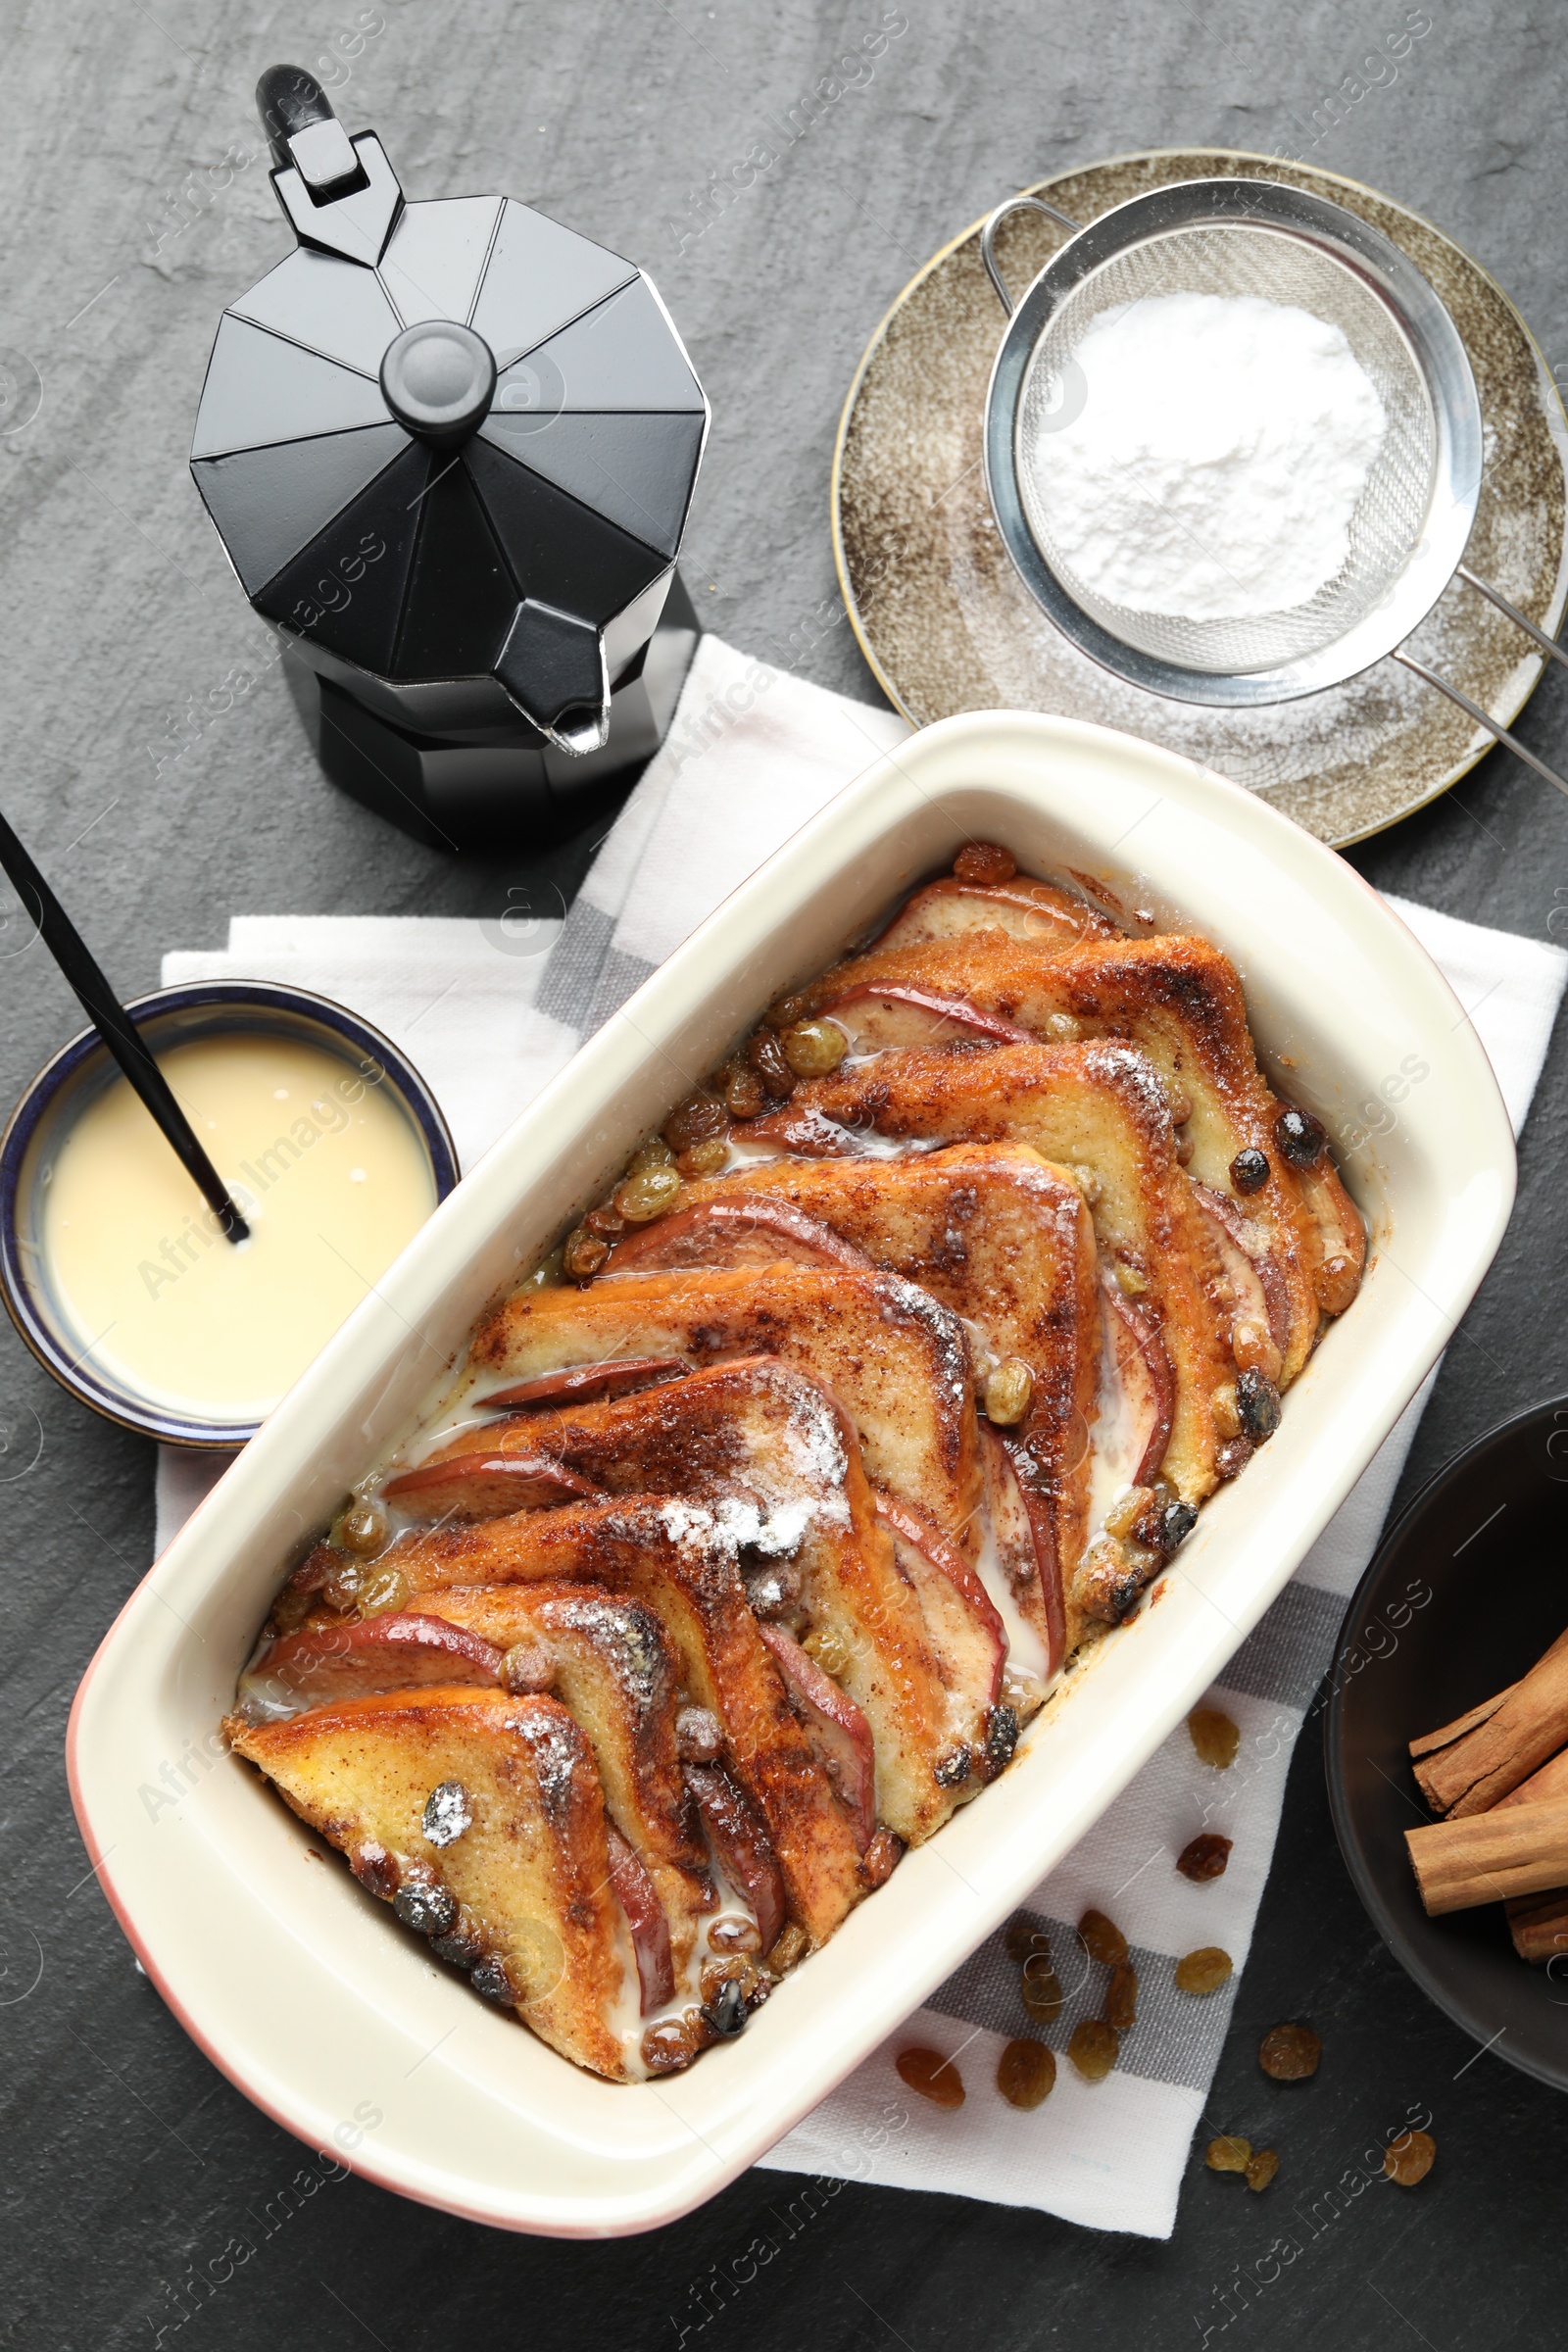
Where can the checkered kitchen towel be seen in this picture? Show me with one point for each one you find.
(489, 1013)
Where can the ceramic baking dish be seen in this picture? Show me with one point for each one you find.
(294, 1980)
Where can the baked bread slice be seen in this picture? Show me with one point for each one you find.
(1020, 907)
(897, 1362)
(993, 1232)
(675, 1558)
(1100, 1110)
(480, 1818)
(773, 1453)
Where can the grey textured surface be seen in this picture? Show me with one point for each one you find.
(163, 793)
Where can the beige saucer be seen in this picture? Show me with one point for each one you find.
(947, 625)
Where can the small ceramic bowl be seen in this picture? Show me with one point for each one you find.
(82, 1069)
(1465, 1592)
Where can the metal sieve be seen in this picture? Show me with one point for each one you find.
(1414, 519)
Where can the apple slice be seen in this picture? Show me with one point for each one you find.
(1260, 1318)
(967, 1630)
(834, 1725)
(744, 1850)
(1019, 1501)
(1143, 1374)
(320, 1666)
(907, 1015)
(645, 1917)
(487, 1486)
(576, 1383)
(1025, 909)
(757, 1231)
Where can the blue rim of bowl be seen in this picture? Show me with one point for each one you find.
(76, 1372)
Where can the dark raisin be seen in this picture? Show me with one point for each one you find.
(1026, 2073)
(953, 1770)
(1176, 1524)
(1203, 1858)
(375, 1868)
(1302, 1138)
(606, 1222)
(694, 1121)
(1041, 1988)
(1409, 2158)
(1121, 1998)
(787, 1012)
(490, 1978)
(1021, 1940)
(1289, 2053)
(1258, 1402)
(464, 1946)
(1249, 1170)
(1092, 2046)
(1231, 1458)
(448, 1812)
(985, 862)
(745, 1095)
(1102, 1939)
(583, 1253)
(1002, 1737)
(420, 1905)
(766, 1057)
(881, 1858)
(727, 2013)
(699, 1736)
(668, 2046)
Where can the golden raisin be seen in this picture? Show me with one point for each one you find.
(1214, 1736)
(694, 1121)
(1010, 1392)
(1289, 2053)
(1226, 1410)
(1409, 2158)
(1103, 1938)
(828, 1646)
(655, 1153)
(648, 1194)
(814, 1049)
(1263, 2168)
(790, 1948)
(934, 2076)
(744, 1092)
(986, 863)
(1205, 1857)
(704, 1159)
(363, 1528)
(668, 2046)
(1127, 1509)
(1203, 1971)
(1228, 2153)
(583, 1254)
(1093, 2049)
(1121, 1998)
(383, 1589)
(1041, 1988)
(1024, 1939)
(766, 1057)
(1026, 2073)
(341, 1586)
(1132, 1281)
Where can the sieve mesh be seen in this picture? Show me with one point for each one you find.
(1256, 258)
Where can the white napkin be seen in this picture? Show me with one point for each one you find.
(488, 1013)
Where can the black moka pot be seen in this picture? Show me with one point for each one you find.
(450, 449)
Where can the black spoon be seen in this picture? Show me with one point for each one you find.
(113, 1025)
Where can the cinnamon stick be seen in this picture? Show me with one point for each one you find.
(1482, 1757)
(1539, 1924)
(1488, 1857)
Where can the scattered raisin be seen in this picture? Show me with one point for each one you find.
(1205, 1857)
(1204, 1970)
(1214, 1736)
(1103, 1938)
(1263, 2168)
(491, 1979)
(384, 1590)
(766, 1057)
(744, 1092)
(425, 1905)
(583, 1255)
(985, 862)
(1009, 1392)
(1231, 1458)
(1257, 1402)
(1301, 1138)
(1121, 1998)
(699, 1736)
(1026, 2073)
(1093, 2049)
(734, 1936)
(375, 1868)
(667, 2047)
(1289, 2053)
(704, 1159)
(343, 1582)
(1409, 2158)
(1176, 1523)
(607, 1221)
(648, 1193)
(790, 1948)
(1023, 1939)
(363, 1528)
(1041, 1988)
(787, 1012)
(1228, 2153)
(934, 2076)
(447, 1813)
(881, 1858)
(463, 1946)
(695, 1120)
(1249, 1170)
(814, 1049)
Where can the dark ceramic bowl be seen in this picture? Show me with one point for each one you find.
(55, 1101)
(1464, 1595)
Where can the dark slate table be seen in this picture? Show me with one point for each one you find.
(155, 763)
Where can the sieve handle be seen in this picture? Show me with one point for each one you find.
(1500, 735)
(988, 238)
